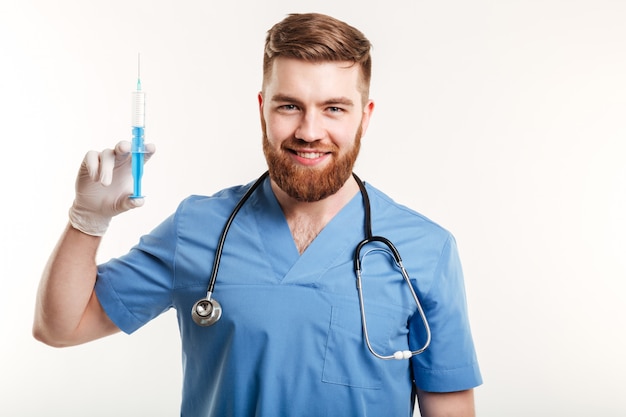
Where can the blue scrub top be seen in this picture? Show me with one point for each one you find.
(290, 337)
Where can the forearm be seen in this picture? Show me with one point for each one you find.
(65, 292)
(446, 404)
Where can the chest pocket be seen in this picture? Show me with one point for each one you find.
(347, 360)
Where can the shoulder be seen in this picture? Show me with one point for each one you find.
(205, 211)
(429, 251)
(397, 216)
(223, 200)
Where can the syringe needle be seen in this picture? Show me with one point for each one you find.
(138, 71)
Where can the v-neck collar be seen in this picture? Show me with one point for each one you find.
(337, 237)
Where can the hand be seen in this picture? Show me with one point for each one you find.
(103, 185)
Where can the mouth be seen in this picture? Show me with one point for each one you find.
(309, 155)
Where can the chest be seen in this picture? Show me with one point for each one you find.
(304, 231)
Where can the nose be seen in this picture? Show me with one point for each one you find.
(310, 127)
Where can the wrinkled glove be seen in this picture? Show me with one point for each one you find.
(103, 185)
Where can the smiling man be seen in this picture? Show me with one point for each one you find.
(292, 334)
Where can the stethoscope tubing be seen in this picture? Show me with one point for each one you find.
(222, 241)
(369, 238)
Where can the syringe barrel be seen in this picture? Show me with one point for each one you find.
(139, 109)
(137, 145)
(137, 159)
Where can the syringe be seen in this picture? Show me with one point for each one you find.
(138, 124)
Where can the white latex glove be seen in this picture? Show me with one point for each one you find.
(103, 185)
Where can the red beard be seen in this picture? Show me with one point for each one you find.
(309, 184)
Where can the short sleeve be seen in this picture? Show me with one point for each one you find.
(137, 287)
(449, 364)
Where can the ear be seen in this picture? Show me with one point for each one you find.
(260, 99)
(367, 114)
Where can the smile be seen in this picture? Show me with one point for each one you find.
(310, 155)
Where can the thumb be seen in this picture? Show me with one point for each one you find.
(150, 150)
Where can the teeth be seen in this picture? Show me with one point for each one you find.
(310, 155)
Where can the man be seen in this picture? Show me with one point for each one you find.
(290, 340)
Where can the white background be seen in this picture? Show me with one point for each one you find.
(504, 121)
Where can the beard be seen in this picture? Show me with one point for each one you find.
(308, 184)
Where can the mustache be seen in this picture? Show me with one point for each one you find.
(299, 145)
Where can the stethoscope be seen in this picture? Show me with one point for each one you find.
(207, 311)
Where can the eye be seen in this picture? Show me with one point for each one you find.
(288, 107)
(334, 109)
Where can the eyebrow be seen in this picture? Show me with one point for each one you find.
(344, 101)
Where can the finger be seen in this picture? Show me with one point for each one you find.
(92, 163)
(122, 148)
(122, 153)
(150, 150)
(107, 163)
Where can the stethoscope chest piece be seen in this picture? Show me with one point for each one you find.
(206, 312)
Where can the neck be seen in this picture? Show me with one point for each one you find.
(307, 219)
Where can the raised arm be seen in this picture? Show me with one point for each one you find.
(67, 311)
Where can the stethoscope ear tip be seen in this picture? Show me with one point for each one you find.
(402, 354)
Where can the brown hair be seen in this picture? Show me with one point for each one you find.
(316, 37)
